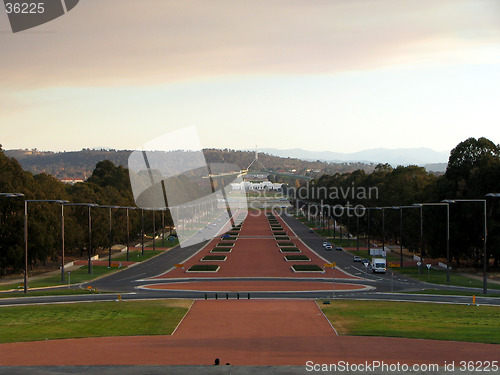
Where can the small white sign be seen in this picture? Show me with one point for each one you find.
(419, 264)
(428, 265)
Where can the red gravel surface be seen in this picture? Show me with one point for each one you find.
(245, 332)
(249, 286)
(256, 254)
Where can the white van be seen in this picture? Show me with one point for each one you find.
(379, 265)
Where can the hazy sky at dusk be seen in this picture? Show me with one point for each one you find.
(340, 75)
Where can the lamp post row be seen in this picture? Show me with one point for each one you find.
(445, 203)
(64, 203)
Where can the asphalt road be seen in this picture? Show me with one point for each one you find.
(126, 282)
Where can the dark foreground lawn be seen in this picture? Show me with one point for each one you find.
(96, 319)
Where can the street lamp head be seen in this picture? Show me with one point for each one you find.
(493, 195)
(11, 195)
(448, 201)
(417, 205)
(395, 207)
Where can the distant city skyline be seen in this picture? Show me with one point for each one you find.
(340, 76)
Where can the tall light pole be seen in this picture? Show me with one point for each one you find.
(142, 231)
(128, 229)
(163, 228)
(369, 220)
(89, 205)
(400, 208)
(421, 207)
(485, 257)
(443, 203)
(26, 234)
(110, 231)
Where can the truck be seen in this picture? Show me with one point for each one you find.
(379, 265)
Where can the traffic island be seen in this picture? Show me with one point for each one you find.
(302, 258)
(225, 244)
(283, 244)
(232, 238)
(204, 268)
(289, 250)
(307, 268)
(221, 250)
(282, 238)
(215, 258)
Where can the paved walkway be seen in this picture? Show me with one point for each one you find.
(244, 332)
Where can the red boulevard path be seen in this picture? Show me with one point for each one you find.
(255, 254)
(244, 332)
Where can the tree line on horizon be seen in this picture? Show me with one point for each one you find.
(473, 171)
(80, 164)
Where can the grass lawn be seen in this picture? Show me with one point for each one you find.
(439, 277)
(77, 276)
(203, 268)
(415, 320)
(136, 256)
(289, 250)
(307, 268)
(166, 243)
(455, 293)
(220, 258)
(296, 257)
(52, 292)
(97, 319)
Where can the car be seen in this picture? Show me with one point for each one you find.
(328, 247)
(325, 243)
(339, 248)
(311, 231)
(357, 259)
(364, 260)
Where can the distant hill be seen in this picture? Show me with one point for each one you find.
(404, 156)
(80, 164)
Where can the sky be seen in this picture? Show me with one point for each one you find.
(325, 75)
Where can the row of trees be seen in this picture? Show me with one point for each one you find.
(473, 171)
(108, 185)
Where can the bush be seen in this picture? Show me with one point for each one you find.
(214, 258)
(297, 257)
(289, 250)
(204, 268)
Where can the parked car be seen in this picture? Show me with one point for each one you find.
(338, 248)
(311, 231)
(357, 258)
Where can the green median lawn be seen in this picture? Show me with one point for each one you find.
(415, 320)
(77, 276)
(97, 319)
(493, 293)
(165, 243)
(436, 276)
(47, 292)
